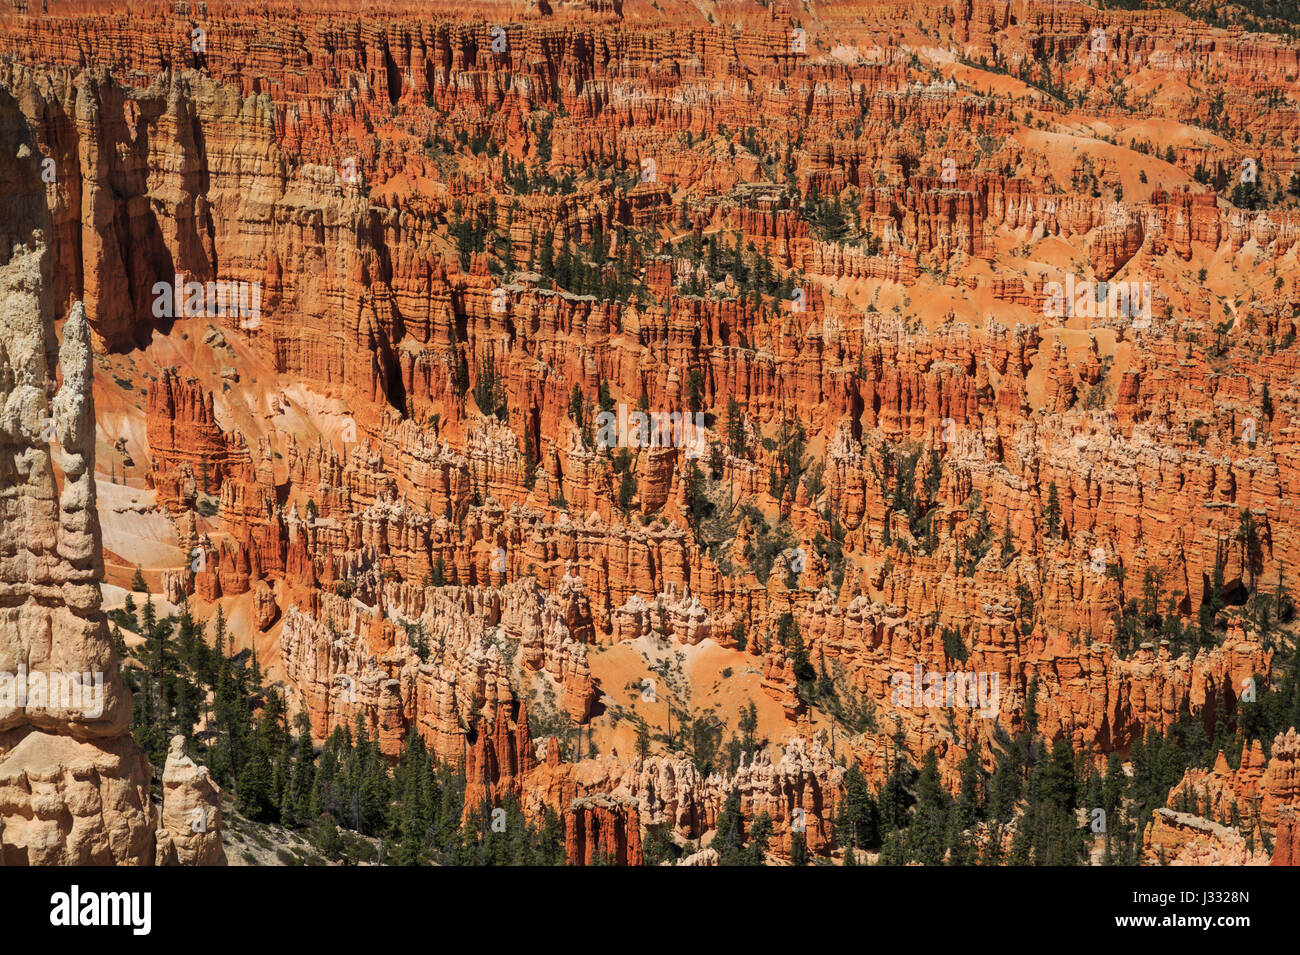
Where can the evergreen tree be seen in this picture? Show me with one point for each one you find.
(575, 405)
(253, 790)
(859, 823)
(1052, 512)
(927, 833)
(729, 841)
(798, 849)
(626, 490)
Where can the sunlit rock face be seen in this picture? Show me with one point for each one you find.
(74, 787)
(382, 281)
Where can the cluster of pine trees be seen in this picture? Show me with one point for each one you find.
(1046, 804)
(1033, 793)
(414, 806)
(914, 498)
(1043, 803)
(590, 271)
(753, 272)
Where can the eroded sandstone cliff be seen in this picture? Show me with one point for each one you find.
(462, 255)
(74, 787)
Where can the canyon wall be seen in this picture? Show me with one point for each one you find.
(388, 458)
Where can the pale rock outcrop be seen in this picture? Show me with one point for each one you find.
(191, 811)
(74, 787)
(1182, 839)
(703, 857)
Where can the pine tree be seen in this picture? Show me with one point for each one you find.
(892, 799)
(789, 636)
(860, 824)
(891, 850)
(1052, 512)
(1057, 837)
(749, 728)
(413, 815)
(760, 833)
(626, 490)
(575, 405)
(220, 632)
(736, 441)
(926, 836)
(729, 840)
(253, 789)
(546, 262)
(695, 390)
(642, 740)
(969, 808)
(798, 849)
(148, 617)
(295, 809)
(530, 458)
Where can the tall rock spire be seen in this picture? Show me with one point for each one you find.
(74, 786)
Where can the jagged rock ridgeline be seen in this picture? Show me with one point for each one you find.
(385, 459)
(352, 658)
(606, 802)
